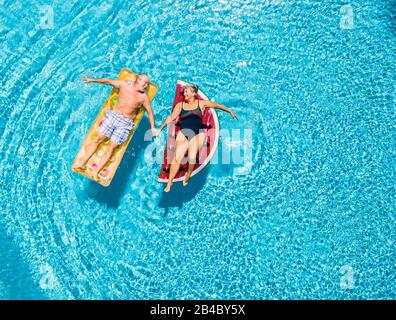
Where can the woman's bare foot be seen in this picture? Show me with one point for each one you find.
(186, 178)
(78, 165)
(167, 188)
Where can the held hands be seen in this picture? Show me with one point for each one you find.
(155, 132)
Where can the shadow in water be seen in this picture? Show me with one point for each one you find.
(15, 278)
(112, 194)
(179, 194)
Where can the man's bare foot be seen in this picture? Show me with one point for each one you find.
(167, 188)
(95, 176)
(186, 178)
(79, 165)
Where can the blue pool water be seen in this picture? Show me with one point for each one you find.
(314, 216)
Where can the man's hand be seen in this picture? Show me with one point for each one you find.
(155, 132)
(87, 80)
(233, 115)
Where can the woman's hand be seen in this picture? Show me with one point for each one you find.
(233, 115)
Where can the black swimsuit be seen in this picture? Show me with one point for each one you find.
(191, 121)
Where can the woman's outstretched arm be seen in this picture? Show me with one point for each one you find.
(211, 104)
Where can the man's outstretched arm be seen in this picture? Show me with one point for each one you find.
(115, 83)
(150, 115)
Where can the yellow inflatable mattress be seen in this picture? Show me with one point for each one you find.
(111, 166)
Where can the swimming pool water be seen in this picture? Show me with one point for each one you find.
(314, 218)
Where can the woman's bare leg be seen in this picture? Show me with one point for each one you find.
(181, 146)
(193, 148)
(89, 151)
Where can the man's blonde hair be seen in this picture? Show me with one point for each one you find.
(141, 75)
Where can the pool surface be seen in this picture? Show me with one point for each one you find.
(310, 215)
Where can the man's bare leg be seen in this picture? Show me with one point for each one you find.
(89, 151)
(108, 152)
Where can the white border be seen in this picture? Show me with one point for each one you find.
(215, 145)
